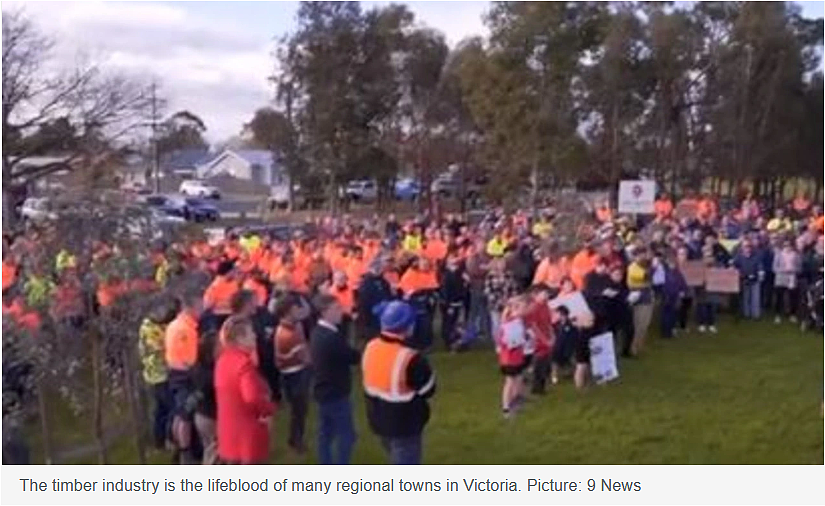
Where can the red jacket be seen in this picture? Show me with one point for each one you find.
(540, 321)
(243, 401)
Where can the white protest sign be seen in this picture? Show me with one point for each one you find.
(603, 358)
(637, 197)
(575, 303)
(214, 235)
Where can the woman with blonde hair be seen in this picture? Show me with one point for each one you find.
(243, 399)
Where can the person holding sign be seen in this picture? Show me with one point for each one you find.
(708, 302)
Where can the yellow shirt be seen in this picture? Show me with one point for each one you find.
(542, 229)
(637, 277)
(412, 242)
(496, 247)
(775, 225)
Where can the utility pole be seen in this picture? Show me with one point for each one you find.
(155, 152)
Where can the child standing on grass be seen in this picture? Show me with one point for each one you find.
(511, 338)
(566, 336)
(538, 320)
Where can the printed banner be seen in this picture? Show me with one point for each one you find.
(637, 197)
(694, 272)
(603, 358)
(721, 280)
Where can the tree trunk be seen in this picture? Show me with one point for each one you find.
(132, 403)
(97, 385)
(45, 427)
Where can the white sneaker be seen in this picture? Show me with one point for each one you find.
(712, 329)
(793, 319)
(701, 329)
(777, 320)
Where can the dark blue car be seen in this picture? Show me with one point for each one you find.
(200, 210)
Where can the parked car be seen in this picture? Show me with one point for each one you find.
(304, 199)
(37, 209)
(196, 188)
(448, 185)
(279, 197)
(364, 190)
(444, 185)
(135, 188)
(150, 223)
(406, 189)
(200, 210)
(165, 203)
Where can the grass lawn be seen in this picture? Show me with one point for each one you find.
(750, 395)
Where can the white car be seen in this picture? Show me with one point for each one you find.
(362, 190)
(279, 196)
(444, 185)
(195, 188)
(37, 209)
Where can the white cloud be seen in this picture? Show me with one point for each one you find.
(215, 66)
(216, 70)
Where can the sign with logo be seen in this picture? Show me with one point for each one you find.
(637, 197)
(603, 358)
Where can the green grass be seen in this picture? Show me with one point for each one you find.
(750, 395)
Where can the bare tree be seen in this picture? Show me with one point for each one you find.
(99, 107)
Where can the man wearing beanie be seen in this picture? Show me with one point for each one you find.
(397, 383)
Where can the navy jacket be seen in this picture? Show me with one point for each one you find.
(332, 359)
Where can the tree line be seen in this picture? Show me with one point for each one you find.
(558, 93)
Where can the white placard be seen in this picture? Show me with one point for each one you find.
(575, 303)
(637, 197)
(603, 358)
(214, 235)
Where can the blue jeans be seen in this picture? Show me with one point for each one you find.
(335, 425)
(162, 413)
(403, 450)
(668, 318)
(296, 391)
(706, 314)
(479, 313)
(751, 300)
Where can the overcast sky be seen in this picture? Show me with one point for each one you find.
(213, 58)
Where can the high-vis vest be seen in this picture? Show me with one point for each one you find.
(385, 365)
(181, 342)
(219, 294)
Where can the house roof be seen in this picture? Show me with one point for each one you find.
(185, 159)
(260, 157)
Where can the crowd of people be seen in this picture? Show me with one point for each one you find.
(252, 321)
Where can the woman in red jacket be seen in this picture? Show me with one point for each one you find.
(243, 398)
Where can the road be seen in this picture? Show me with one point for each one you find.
(232, 206)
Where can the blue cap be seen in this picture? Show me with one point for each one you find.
(396, 316)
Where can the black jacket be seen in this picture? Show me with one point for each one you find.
(372, 291)
(403, 419)
(332, 359)
(453, 287)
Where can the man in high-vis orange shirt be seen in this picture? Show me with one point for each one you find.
(181, 353)
(217, 299)
(397, 382)
(663, 207)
